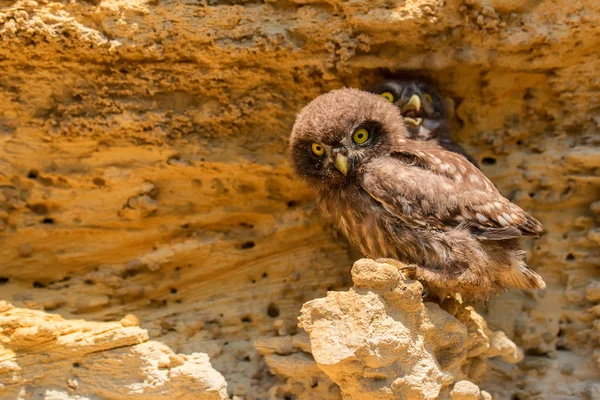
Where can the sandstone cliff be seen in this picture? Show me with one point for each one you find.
(143, 171)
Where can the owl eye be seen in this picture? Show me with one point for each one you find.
(360, 136)
(388, 96)
(317, 149)
(428, 98)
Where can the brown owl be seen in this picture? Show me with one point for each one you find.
(423, 110)
(410, 200)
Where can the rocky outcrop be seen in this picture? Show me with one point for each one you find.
(143, 164)
(45, 356)
(380, 341)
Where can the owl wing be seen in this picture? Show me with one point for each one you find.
(451, 145)
(421, 191)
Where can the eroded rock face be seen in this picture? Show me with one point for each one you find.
(45, 356)
(290, 359)
(380, 341)
(143, 164)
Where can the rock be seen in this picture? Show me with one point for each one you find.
(593, 291)
(380, 341)
(143, 157)
(465, 390)
(290, 359)
(130, 320)
(97, 359)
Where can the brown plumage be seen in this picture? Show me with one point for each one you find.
(422, 107)
(410, 200)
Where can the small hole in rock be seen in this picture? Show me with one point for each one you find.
(488, 161)
(88, 282)
(173, 291)
(247, 358)
(265, 275)
(273, 310)
(39, 208)
(98, 181)
(253, 281)
(38, 285)
(129, 273)
(314, 383)
(570, 257)
(155, 303)
(292, 203)
(536, 352)
(247, 319)
(247, 245)
(519, 142)
(288, 397)
(532, 195)
(221, 315)
(178, 301)
(33, 174)
(3, 280)
(225, 344)
(48, 221)
(76, 365)
(177, 268)
(185, 226)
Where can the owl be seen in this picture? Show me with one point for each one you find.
(422, 107)
(402, 199)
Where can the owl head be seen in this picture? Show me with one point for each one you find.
(338, 131)
(421, 105)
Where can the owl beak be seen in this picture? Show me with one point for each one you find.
(342, 164)
(413, 104)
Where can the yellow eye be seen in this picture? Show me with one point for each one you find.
(360, 136)
(317, 149)
(428, 98)
(388, 96)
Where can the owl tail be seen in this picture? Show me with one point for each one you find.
(522, 277)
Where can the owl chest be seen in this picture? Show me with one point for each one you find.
(361, 219)
(373, 230)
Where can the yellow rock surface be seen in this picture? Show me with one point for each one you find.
(143, 169)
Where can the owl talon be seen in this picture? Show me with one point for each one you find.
(400, 265)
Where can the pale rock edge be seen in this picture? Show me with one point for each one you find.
(45, 356)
